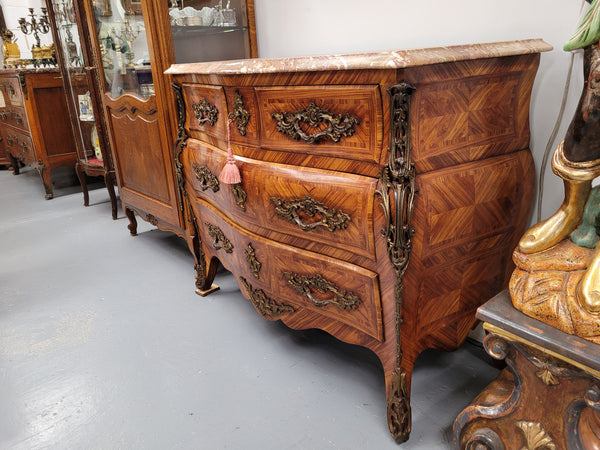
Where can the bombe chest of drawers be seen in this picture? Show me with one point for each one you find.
(381, 195)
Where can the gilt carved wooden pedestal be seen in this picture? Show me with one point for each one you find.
(548, 397)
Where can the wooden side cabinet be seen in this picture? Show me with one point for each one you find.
(35, 122)
(134, 43)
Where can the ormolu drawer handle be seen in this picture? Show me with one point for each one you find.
(219, 239)
(305, 285)
(205, 112)
(11, 89)
(338, 126)
(19, 119)
(3, 115)
(208, 180)
(330, 218)
(9, 138)
(24, 146)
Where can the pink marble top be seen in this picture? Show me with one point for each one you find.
(379, 60)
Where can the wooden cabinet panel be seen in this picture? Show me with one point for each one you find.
(144, 172)
(51, 128)
(469, 112)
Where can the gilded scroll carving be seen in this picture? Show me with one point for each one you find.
(330, 218)
(336, 125)
(219, 239)
(208, 180)
(536, 438)
(239, 114)
(265, 305)
(205, 112)
(306, 285)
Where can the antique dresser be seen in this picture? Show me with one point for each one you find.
(381, 194)
(34, 122)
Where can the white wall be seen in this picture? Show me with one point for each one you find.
(305, 27)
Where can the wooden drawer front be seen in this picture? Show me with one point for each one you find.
(206, 109)
(14, 116)
(337, 121)
(294, 278)
(13, 91)
(331, 208)
(19, 145)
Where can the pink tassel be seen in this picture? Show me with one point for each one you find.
(230, 173)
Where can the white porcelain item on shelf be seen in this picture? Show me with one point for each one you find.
(96, 144)
(208, 16)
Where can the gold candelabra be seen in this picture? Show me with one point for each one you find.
(35, 26)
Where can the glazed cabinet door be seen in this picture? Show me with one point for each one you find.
(130, 73)
(77, 68)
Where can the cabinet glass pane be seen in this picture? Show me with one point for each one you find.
(76, 86)
(123, 47)
(209, 30)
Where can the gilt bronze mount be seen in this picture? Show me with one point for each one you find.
(336, 125)
(208, 180)
(305, 285)
(330, 218)
(205, 112)
(265, 305)
(240, 114)
(219, 239)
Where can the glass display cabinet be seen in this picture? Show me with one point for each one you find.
(81, 88)
(135, 41)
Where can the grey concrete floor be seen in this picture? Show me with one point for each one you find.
(105, 345)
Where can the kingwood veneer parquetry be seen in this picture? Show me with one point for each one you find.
(381, 195)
